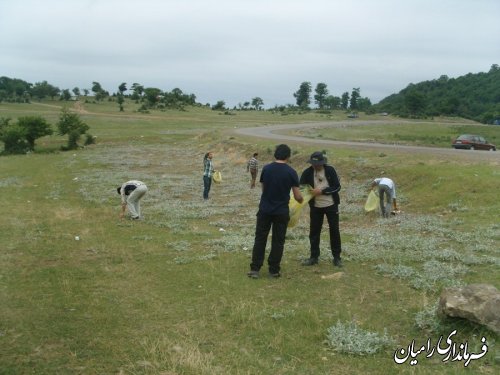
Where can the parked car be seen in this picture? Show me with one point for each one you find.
(472, 142)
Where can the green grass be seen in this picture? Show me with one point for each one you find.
(439, 133)
(169, 295)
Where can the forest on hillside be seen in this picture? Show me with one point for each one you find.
(472, 96)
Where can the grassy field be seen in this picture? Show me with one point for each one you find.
(169, 294)
(403, 132)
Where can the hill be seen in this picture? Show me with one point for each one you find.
(473, 96)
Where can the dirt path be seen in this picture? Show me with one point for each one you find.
(278, 132)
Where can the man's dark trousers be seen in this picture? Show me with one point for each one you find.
(317, 215)
(279, 224)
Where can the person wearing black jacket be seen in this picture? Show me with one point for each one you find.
(326, 186)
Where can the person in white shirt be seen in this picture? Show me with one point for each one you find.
(131, 192)
(386, 187)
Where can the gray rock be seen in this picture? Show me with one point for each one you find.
(479, 303)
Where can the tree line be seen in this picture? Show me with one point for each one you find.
(17, 90)
(472, 96)
(324, 100)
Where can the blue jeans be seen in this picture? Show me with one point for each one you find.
(279, 224)
(385, 208)
(207, 183)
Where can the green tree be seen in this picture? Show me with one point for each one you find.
(219, 106)
(34, 127)
(120, 96)
(152, 95)
(450, 105)
(98, 91)
(344, 101)
(355, 95)
(364, 104)
(303, 95)
(65, 95)
(120, 100)
(332, 102)
(177, 99)
(122, 88)
(76, 91)
(415, 103)
(14, 89)
(472, 96)
(321, 95)
(137, 91)
(41, 90)
(70, 124)
(96, 87)
(177, 94)
(258, 103)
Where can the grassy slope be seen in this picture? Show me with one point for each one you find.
(169, 294)
(402, 132)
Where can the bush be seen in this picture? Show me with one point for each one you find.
(428, 318)
(14, 139)
(89, 139)
(20, 138)
(34, 127)
(348, 338)
(71, 124)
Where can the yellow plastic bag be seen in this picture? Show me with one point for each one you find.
(372, 201)
(296, 207)
(217, 177)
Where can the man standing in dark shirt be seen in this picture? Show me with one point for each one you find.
(277, 179)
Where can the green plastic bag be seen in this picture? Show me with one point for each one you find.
(372, 201)
(296, 207)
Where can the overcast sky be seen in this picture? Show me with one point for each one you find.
(235, 50)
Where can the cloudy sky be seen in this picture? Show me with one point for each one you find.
(235, 50)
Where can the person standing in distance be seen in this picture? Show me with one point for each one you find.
(277, 179)
(132, 192)
(326, 186)
(208, 171)
(253, 168)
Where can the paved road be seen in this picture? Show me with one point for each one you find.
(278, 132)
